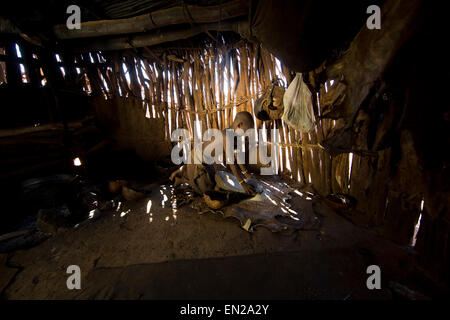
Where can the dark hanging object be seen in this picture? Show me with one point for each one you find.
(270, 105)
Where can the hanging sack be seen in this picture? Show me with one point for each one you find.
(298, 110)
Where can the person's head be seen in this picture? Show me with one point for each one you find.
(243, 120)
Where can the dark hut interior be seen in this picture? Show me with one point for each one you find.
(351, 109)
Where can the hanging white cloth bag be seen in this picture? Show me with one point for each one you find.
(298, 111)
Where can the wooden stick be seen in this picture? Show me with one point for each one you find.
(155, 37)
(154, 20)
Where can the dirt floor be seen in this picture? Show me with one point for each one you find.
(148, 249)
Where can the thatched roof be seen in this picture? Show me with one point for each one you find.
(301, 33)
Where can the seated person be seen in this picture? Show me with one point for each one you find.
(202, 177)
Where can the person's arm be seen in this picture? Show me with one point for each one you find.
(244, 171)
(238, 171)
(176, 174)
(241, 177)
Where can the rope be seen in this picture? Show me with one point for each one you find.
(152, 21)
(233, 104)
(297, 145)
(187, 14)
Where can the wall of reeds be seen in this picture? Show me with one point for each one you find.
(211, 82)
